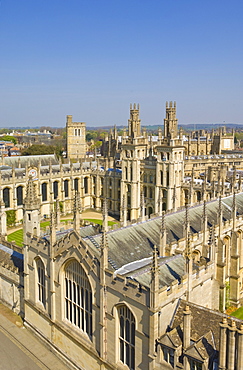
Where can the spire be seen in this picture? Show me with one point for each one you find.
(105, 216)
(142, 206)
(57, 214)
(124, 210)
(187, 222)
(234, 210)
(52, 231)
(31, 201)
(211, 243)
(104, 241)
(188, 257)
(3, 219)
(174, 198)
(204, 221)
(162, 241)
(154, 279)
(76, 211)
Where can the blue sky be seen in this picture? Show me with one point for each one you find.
(92, 58)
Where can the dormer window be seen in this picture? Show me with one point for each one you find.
(168, 354)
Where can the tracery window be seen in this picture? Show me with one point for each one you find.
(78, 297)
(41, 288)
(76, 184)
(55, 189)
(44, 191)
(66, 190)
(19, 193)
(126, 337)
(6, 197)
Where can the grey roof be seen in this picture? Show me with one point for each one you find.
(85, 232)
(135, 242)
(202, 319)
(32, 160)
(11, 257)
(170, 269)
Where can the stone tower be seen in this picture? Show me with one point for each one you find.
(170, 122)
(31, 207)
(170, 162)
(134, 123)
(76, 138)
(133, 150)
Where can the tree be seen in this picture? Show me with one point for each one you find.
(9, 138)
(39, 149)
(11, 217)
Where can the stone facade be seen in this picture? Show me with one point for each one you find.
(76, 138)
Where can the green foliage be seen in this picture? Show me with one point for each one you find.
(238, 313)
(99, 222)
(9, 138)
(91, 135)
(11, 217)
(61, 206)
(39, 149)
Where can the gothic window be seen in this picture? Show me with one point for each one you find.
(86, 185)
(195, 365)
(168, 355)
(66, 189)
(125, 173)
(44, 191)
(131, 173)
(75, 132)
(167, 178)
(145, 191)
(76, 184)
(41, 289)
(161, 177)
(55, 189)
(19, 192)
(78, 298)
(6, 197)
(126, 337)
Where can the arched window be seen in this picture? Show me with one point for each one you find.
(41, 286)
(19, 193)
(161, 177)
(86, 190)
(6, 197)
(44, 191)
(126, 337)
(78, 297)
(66, 192)
(55, 189)
(76, 184)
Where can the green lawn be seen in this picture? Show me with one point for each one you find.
(238, 313)
(110, 223)
(17, 235)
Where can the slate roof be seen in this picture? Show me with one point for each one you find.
(11, 257)
(136, 242)
(170, 269)
(33, 160)
(202, 319)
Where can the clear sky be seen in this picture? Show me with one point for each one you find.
(92, 58)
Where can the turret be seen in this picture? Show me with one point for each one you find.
(134, 123)
(170, 122)
(31, 206)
